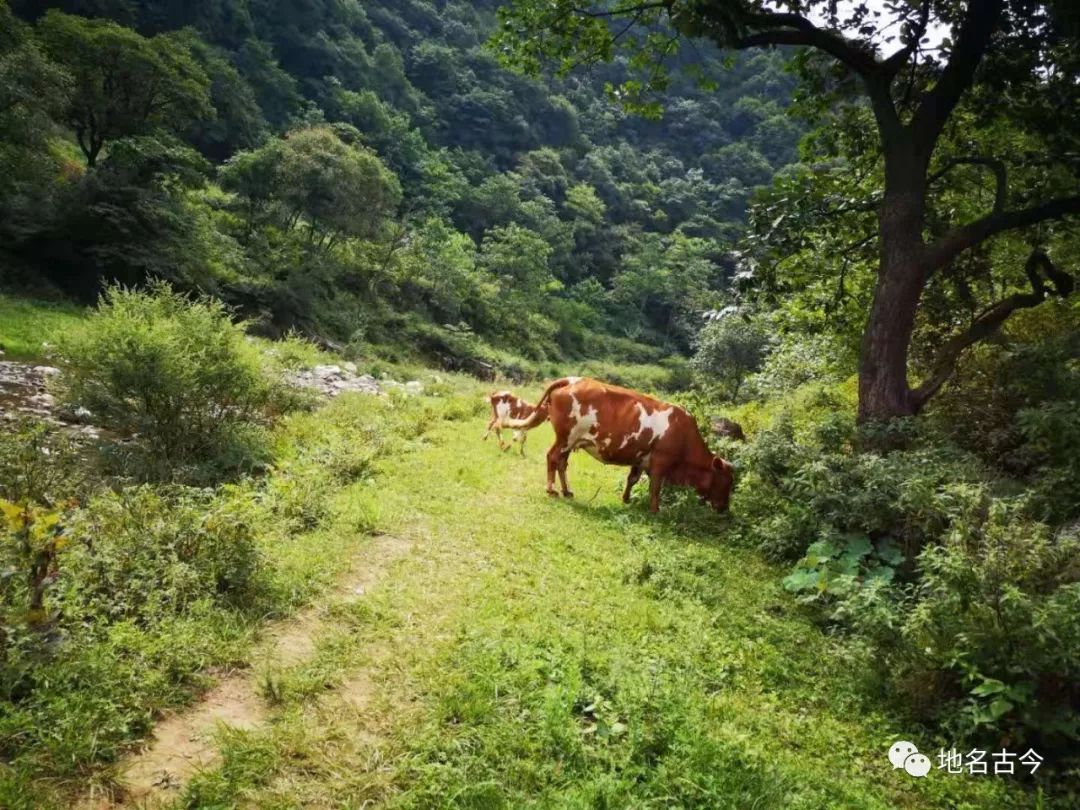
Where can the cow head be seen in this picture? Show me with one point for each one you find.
(720, 479)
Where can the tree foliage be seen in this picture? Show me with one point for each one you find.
(1005, 66)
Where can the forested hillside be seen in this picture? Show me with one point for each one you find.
(369, 173)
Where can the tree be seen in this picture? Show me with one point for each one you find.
(1005, 60)
(124, 84)
(32, 91)
(728, 349)
(317, 181)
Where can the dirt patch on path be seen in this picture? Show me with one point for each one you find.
(183, 743)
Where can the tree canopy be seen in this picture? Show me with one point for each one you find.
(1009, 65)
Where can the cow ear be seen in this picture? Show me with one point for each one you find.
(717, 463)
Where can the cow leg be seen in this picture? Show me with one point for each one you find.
(631, 479)
(553, 461)
(490, 427)
(656, 481)
(522, 436)
(563, 462)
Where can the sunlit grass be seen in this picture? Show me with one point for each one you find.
(25, 325)
(532, 652)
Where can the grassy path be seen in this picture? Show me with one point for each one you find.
(529, 652)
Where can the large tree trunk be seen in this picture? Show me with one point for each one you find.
(884, 392)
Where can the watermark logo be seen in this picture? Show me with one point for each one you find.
(905, 755)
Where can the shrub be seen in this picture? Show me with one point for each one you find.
(968, 601)
(145, 554)
(176, 379)
(1051, 449)
(801, 359)
(996, 611)
(727, 350)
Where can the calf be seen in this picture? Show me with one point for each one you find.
(619, 426)
(506, 407)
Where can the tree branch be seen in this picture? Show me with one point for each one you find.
(938, 103)
(894, 63)
(995, 165)
(794, 29)
(991, 319)
(956, 241)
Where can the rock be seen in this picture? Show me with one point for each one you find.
(722, 426)
(46, 371)
(414, 387)
(331, 380)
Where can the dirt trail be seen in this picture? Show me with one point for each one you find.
(183, 743)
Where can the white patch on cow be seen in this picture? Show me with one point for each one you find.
(581, 432)
(572, 380)
(502, 410)
(658, 422)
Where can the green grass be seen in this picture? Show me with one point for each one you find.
(530, 652)
(100, 692)
(26, 324)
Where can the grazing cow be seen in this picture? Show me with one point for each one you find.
(618, 426)
(506, 407)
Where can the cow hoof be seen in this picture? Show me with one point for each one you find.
(553, 493)
(568, 494)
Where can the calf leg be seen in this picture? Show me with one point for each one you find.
(631, 479)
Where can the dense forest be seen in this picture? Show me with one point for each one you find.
(370, 173)
(262, 264)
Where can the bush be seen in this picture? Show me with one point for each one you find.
(963, 592)
(145, 554)
(175, 379)
(996, 613)
(727, 350)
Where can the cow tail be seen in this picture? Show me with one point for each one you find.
(540, 415)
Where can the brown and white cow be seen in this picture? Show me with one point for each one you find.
(619, 426)
(506, 407)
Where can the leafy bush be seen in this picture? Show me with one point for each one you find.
(145, 554)
(727, 350)
(176, 379)
(996, 613)
(800, 359)
(1051, 449)
(968, 601)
